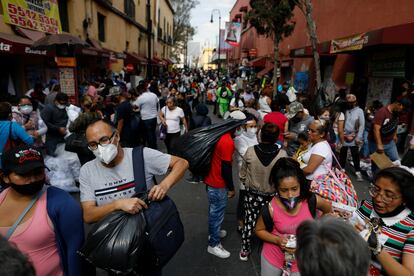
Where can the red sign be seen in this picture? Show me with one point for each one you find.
(129, 67)
(253, 52)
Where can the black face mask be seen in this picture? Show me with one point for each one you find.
(28, 189)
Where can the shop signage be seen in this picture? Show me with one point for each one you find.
(28, 50)
(4, 47)
(253, 52)
(351, 43)
(129, 67)
(67, 81)
(39, 15)
(65, 61)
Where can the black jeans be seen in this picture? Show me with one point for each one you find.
(355, 157)
(149, 136)
(170, 140)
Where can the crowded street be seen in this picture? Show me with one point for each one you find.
(206, 138)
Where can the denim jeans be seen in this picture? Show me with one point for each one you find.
(390, 150)
(365, 146)
(150, 137)
(217, 202)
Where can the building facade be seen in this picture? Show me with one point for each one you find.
(116, 30)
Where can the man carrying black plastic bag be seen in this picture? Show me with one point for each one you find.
(107, 183)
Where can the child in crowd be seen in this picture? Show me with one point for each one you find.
(305, 144)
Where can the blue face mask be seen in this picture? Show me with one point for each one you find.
(290, 203)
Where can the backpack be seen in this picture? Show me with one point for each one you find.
(268, 220)
(164, 230)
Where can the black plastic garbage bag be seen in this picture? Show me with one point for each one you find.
(197, 145)
(116, 242)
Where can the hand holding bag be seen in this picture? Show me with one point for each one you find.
(163, 128)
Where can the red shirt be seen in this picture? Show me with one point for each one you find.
(222, 152)
(382, 117)
(278, 119)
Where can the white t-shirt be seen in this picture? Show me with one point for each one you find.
(173, 118)
(233, 103)
(148, 105)
(322, 149)
(104, 185)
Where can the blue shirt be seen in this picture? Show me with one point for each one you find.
(17, 133)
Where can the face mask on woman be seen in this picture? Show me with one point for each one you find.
(251, 132)
(28, 189)
(26, 109)
(289, 203)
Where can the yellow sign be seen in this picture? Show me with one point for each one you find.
(65, 61)
(351, 43)
(39, 15)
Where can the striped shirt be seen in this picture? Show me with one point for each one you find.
(399, 230)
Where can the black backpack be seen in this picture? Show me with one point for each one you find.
(267, 218)
(165, 231)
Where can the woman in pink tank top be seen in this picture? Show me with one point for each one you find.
(292, 205)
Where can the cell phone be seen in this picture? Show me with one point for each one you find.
(291, 243)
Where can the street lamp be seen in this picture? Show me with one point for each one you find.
(219, 43)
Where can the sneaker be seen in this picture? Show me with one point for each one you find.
(244, 255)
(222, 234)
(359, 176)
(218, 251)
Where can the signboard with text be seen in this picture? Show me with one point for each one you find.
(351, 43)
(67, 81)
(39, 15)
(233, 33)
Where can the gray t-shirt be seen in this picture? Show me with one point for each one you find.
(104, 185)
(148, 105)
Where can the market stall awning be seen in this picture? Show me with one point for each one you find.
(395, 35)
(258, 62)
(266, 70)
(134, 58)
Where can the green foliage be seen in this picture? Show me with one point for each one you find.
(182, 30)
(272, 17)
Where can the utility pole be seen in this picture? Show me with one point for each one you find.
(149, 36)
(219, 40)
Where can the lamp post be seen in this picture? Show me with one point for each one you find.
(149, 36)
(219, 42)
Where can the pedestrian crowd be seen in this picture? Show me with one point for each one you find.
(282, 150)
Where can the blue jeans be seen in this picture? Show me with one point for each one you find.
(365, 146)
(390, 150)
(217, 202)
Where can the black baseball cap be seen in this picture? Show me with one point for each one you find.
(22, 160)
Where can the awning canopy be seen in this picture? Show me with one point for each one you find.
(266, 70)
(15, 44)
(134, 58)
(258, 62)
(394, 35)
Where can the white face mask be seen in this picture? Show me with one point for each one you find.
(251, 132)
(106, 153)
(61, 106)
(26, 109)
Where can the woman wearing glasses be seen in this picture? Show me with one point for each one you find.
(390, 214)
(318, 159)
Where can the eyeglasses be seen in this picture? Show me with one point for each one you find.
(387, 197)
(105, 140)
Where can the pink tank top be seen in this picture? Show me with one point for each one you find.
(36, 239)
(284, 224)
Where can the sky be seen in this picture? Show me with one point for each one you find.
(207, 32)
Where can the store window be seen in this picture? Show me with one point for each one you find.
(101, 27)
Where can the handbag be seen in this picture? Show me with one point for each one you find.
(337, 187)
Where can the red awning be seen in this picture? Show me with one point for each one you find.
(15, 44)
(258, 62)
(395, 35)
(156, 61)
(266, 70)
(134, 58)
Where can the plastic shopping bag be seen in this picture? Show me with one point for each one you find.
(116, 243)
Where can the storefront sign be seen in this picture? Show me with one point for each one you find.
(67, 81)
(351, 43)
(28, 50)
(253, 52)
(129, 67)
(4, 47)
(65, 61)
(39, 15)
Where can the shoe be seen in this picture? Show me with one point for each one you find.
(218, 251)
(222, 234)
(359, 176)
(244, 255)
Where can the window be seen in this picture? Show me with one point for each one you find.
(101, 27)
(129, 7)
(63, 14)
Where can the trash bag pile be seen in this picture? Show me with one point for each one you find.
(116, 243)
(63, 169)
(197, 146)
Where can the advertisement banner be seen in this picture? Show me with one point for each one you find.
(38, 15)
(233, 33)
(351, 43)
